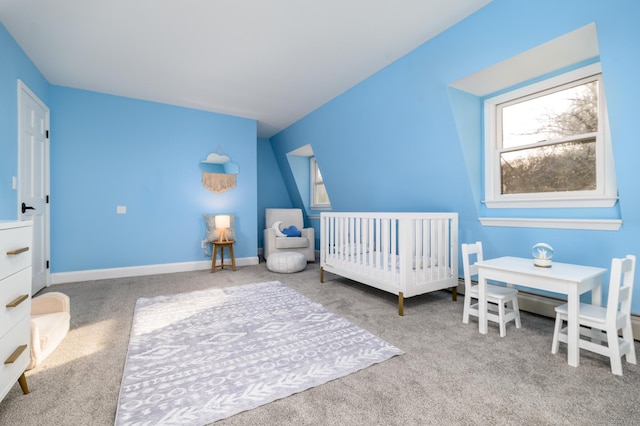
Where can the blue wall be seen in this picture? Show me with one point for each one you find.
(272, 192)
(14, 65)
(393, 142)
(108, 151)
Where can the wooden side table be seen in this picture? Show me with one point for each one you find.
(214, 256)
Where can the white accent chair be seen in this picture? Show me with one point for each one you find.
(503, 300)
(273, 243)
(601, 324)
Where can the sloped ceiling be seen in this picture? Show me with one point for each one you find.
(271, 60)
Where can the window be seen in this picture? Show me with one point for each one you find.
(547, 144)
(319, 196)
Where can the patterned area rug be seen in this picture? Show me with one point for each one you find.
(198, 357)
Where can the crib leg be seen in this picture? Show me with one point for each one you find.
(401, 304)
(454, 294)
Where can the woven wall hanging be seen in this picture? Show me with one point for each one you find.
(219, 172)
(218, 182)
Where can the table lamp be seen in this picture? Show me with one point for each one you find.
(223, 222)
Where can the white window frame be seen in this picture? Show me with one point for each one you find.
(605, 194)
(313, 167)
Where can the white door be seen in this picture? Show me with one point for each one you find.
(33, 179)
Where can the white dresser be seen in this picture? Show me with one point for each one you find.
(15, 303)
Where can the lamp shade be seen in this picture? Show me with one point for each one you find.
(223, 221)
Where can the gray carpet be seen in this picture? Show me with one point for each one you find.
(450, 373)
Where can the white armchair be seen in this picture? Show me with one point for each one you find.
(278, 219)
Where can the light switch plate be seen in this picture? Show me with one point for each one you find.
(121, 209)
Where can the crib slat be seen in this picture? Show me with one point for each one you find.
(371, 243)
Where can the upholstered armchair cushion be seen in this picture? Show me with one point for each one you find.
(291, 242)
(50, 321)
(284, 218)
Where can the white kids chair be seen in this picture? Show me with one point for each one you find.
(503, 300)
(604, 322)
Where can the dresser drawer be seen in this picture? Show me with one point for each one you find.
(15, 249)
(13, 290)
(16, 337)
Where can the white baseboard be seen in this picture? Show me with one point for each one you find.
(545, 306)
(135, 271)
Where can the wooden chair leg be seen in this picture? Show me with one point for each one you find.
(627, 335)
(233, 258)
(516, 309)
(213, 258)
(466, 309)
(501, 315)
(614, 352)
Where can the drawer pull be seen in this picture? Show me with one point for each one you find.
(18, 251)
(18, 300)
(16, 354)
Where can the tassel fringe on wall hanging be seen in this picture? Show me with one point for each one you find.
(218, 182)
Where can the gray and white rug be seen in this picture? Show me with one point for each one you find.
(198, 357)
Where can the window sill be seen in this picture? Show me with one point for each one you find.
(590, 224)
(529, 203)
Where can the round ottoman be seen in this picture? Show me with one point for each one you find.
(286, 262)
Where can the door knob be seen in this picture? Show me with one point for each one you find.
(26, 207)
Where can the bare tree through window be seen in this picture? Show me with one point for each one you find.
(549, 141)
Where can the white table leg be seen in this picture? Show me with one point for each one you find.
(573, 327)
(482, 302)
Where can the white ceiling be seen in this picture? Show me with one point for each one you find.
(271, 60)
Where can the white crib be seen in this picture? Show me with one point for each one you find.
(406, 254)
